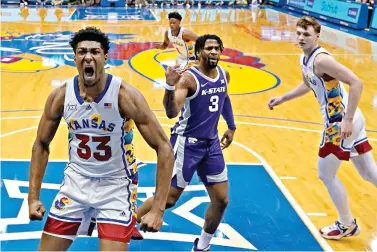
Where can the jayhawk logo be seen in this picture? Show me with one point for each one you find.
(151, 64)
(31, 53)
(60, 204)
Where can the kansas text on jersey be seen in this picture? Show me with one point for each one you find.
(97, 132)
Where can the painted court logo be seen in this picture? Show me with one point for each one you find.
(32, 53)
(151, 64)
(47, 51)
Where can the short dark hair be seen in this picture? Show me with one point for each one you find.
(175, 15)
(90, 34)
(307, 21)
(201, 41)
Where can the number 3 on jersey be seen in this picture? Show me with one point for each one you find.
(215, 103)
(103, 151)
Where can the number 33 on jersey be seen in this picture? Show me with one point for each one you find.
(96, 131)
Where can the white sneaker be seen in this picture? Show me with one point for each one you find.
(338, 231)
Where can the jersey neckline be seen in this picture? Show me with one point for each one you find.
(311, 54)
(99, 97)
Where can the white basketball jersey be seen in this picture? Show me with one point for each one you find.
(96, 131)
(184, 49)
(330, 93)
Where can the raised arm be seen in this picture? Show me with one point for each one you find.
(177, 88)
(165, 43)
(133, 105)
(47, 128)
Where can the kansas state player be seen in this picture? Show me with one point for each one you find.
(201, 95)
(182, 39)
(98, 184)
(344, 135)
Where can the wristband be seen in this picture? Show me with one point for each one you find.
(168, 87)
(232, 127)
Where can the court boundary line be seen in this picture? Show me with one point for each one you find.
(145, 162)
(244, 116)
(221, 121)
(300, 212)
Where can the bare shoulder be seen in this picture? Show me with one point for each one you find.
(55, 101)
(189, 35)
(130, 101)
(187, 80)
(322, 56)
(127, 93)
(323, 59)
(59, 92)
(323, 62)
(187, 31)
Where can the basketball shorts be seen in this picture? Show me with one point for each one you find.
(201, 155)
(82, 202)
(354, 145)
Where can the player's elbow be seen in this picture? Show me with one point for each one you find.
(360, 83)
(171, 114)
(40, 146)
(171, 110)
(356, 84)
(165, 151)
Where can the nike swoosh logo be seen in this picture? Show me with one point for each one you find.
(205, 84)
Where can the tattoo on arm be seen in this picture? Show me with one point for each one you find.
(169, 104)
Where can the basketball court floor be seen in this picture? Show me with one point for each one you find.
(277, 201)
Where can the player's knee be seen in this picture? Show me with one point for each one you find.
(325, 179)
(368, 175)
(173, 197)
(321, 177)
(363, 174)
(222, 201)
(170, 202)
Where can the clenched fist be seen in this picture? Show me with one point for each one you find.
(36, 210)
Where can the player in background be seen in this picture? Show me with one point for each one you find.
(344, 137)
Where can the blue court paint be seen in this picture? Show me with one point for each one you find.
(258, 213)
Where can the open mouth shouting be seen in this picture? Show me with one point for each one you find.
(89, 74)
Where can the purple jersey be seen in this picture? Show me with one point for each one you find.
(201, 112)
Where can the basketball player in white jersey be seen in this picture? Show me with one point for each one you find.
(182, 39)
(98, 184)
(344, 135)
